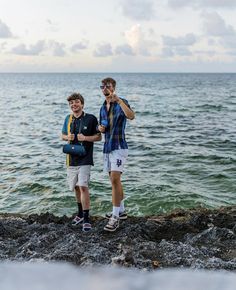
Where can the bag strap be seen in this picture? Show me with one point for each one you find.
(68, 125)
(80, 125)
(69, 142)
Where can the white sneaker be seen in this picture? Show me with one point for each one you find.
(113, 224)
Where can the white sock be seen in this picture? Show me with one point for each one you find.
(116, 210)
(122, 206)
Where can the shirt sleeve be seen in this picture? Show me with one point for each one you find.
(64, 128)
(94, 125)
(127, 104)
(100, 116)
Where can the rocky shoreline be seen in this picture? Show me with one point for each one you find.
(197, 238)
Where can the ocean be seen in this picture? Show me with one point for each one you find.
(182, 143)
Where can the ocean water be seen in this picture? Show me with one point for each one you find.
(182, 143)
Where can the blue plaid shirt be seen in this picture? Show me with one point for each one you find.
(115, 130)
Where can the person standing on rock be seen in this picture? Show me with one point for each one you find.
(113, 115)
(80, 127)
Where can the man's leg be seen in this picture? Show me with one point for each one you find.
(117, 161)
(122, 205)
(72, 178)
(85, 198)
(78, 200)
(114, 163)
(84, 177)
(77, 194)
(117, 190)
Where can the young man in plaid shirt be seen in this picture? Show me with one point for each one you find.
(113, 115)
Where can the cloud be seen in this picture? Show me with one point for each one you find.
(167, 52)
(188, 39)
(179, 3)
(5, 31)
(137, 41)
(52, 26)
(173, 51)
(124, 49)
(218, 3)
(79, 46)
(206, 52)
(178, 45)
(202, 3)
(137, 9)
(182, 51)
(233, 53)
(3, 46)
(212, 42)
(57, 48)
(52, 47)
(35, 49)
(214, 25)
(230, 42)
(103, 50)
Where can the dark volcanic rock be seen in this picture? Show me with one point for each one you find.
(198, 238)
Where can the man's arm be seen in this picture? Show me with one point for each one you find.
(129, 114)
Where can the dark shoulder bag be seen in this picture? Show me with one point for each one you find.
(75, 149)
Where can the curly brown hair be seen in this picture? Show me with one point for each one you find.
(76, 96)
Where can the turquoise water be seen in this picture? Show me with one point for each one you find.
(182, 142)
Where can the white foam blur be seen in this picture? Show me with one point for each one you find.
(62, 276)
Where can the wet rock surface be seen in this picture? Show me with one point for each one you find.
(198, 238)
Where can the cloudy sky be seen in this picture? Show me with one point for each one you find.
(117, 36)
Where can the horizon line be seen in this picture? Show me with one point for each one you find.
(67, 72)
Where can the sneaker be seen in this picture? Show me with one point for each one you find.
(113, 224)
(77, 220)
(87, 227)
(122, 215)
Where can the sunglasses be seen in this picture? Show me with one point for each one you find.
(105, 86)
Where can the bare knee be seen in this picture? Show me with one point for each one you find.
(83, 189)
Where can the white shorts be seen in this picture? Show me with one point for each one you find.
(115, 160)
(78, 176)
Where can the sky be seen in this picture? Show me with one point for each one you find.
(117, 36)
